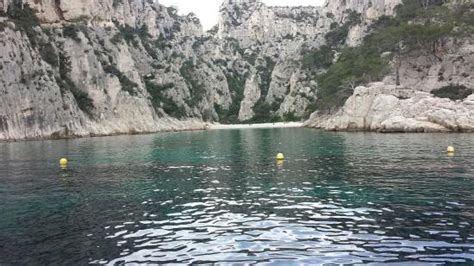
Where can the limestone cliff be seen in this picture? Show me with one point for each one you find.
(279, 36)
(76, 68)
(428, 81)
(100, 67)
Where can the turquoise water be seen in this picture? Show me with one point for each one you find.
(219, 196)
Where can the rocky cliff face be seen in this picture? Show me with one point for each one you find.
(127, 66)
(279, 36)
(369, 9)
(429, 89)
(79, 68)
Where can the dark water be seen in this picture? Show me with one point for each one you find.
(221, 197)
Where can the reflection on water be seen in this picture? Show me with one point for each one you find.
(221, 197)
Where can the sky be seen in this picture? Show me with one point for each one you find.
(208, 10)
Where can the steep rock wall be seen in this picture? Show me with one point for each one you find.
(85, 76)
(281, 35)
(128, 66)
(412, 106)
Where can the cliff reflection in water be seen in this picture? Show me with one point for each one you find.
(220, 196)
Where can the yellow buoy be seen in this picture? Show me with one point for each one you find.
(451, 149)
(63, 162)
(280, 157)
(280, 164)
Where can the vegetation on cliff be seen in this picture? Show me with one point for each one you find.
(189, 70)
(453, 92)
(417, 28)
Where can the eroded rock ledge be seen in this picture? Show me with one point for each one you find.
(388, 108)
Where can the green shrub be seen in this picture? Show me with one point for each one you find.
(200, 41)
(263, 112)
(48, 53)
(291, 117)
(130, 34)
(320, 58)
(25, 20)
(115, 3)
(197, 89)
(117, 38)
(71, 31)
(176, 27)
(142, 32)
(265, 73)
(127, 85)
(162, 43)
(84, 102)
(453, 92)
(160, 100)
(410, 9)
(236, 85)
(3, 26)
(355, 66)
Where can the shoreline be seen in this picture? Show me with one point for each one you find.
(210, 126)
(200, 127)
(93, 136)
(254, 126)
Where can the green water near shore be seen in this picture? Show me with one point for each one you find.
(219, 196)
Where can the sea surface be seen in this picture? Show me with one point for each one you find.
(220, 196)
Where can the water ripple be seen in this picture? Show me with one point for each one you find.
(219, 197)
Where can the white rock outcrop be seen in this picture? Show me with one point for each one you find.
(385, 108)
(251, 96)
(369, 9)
